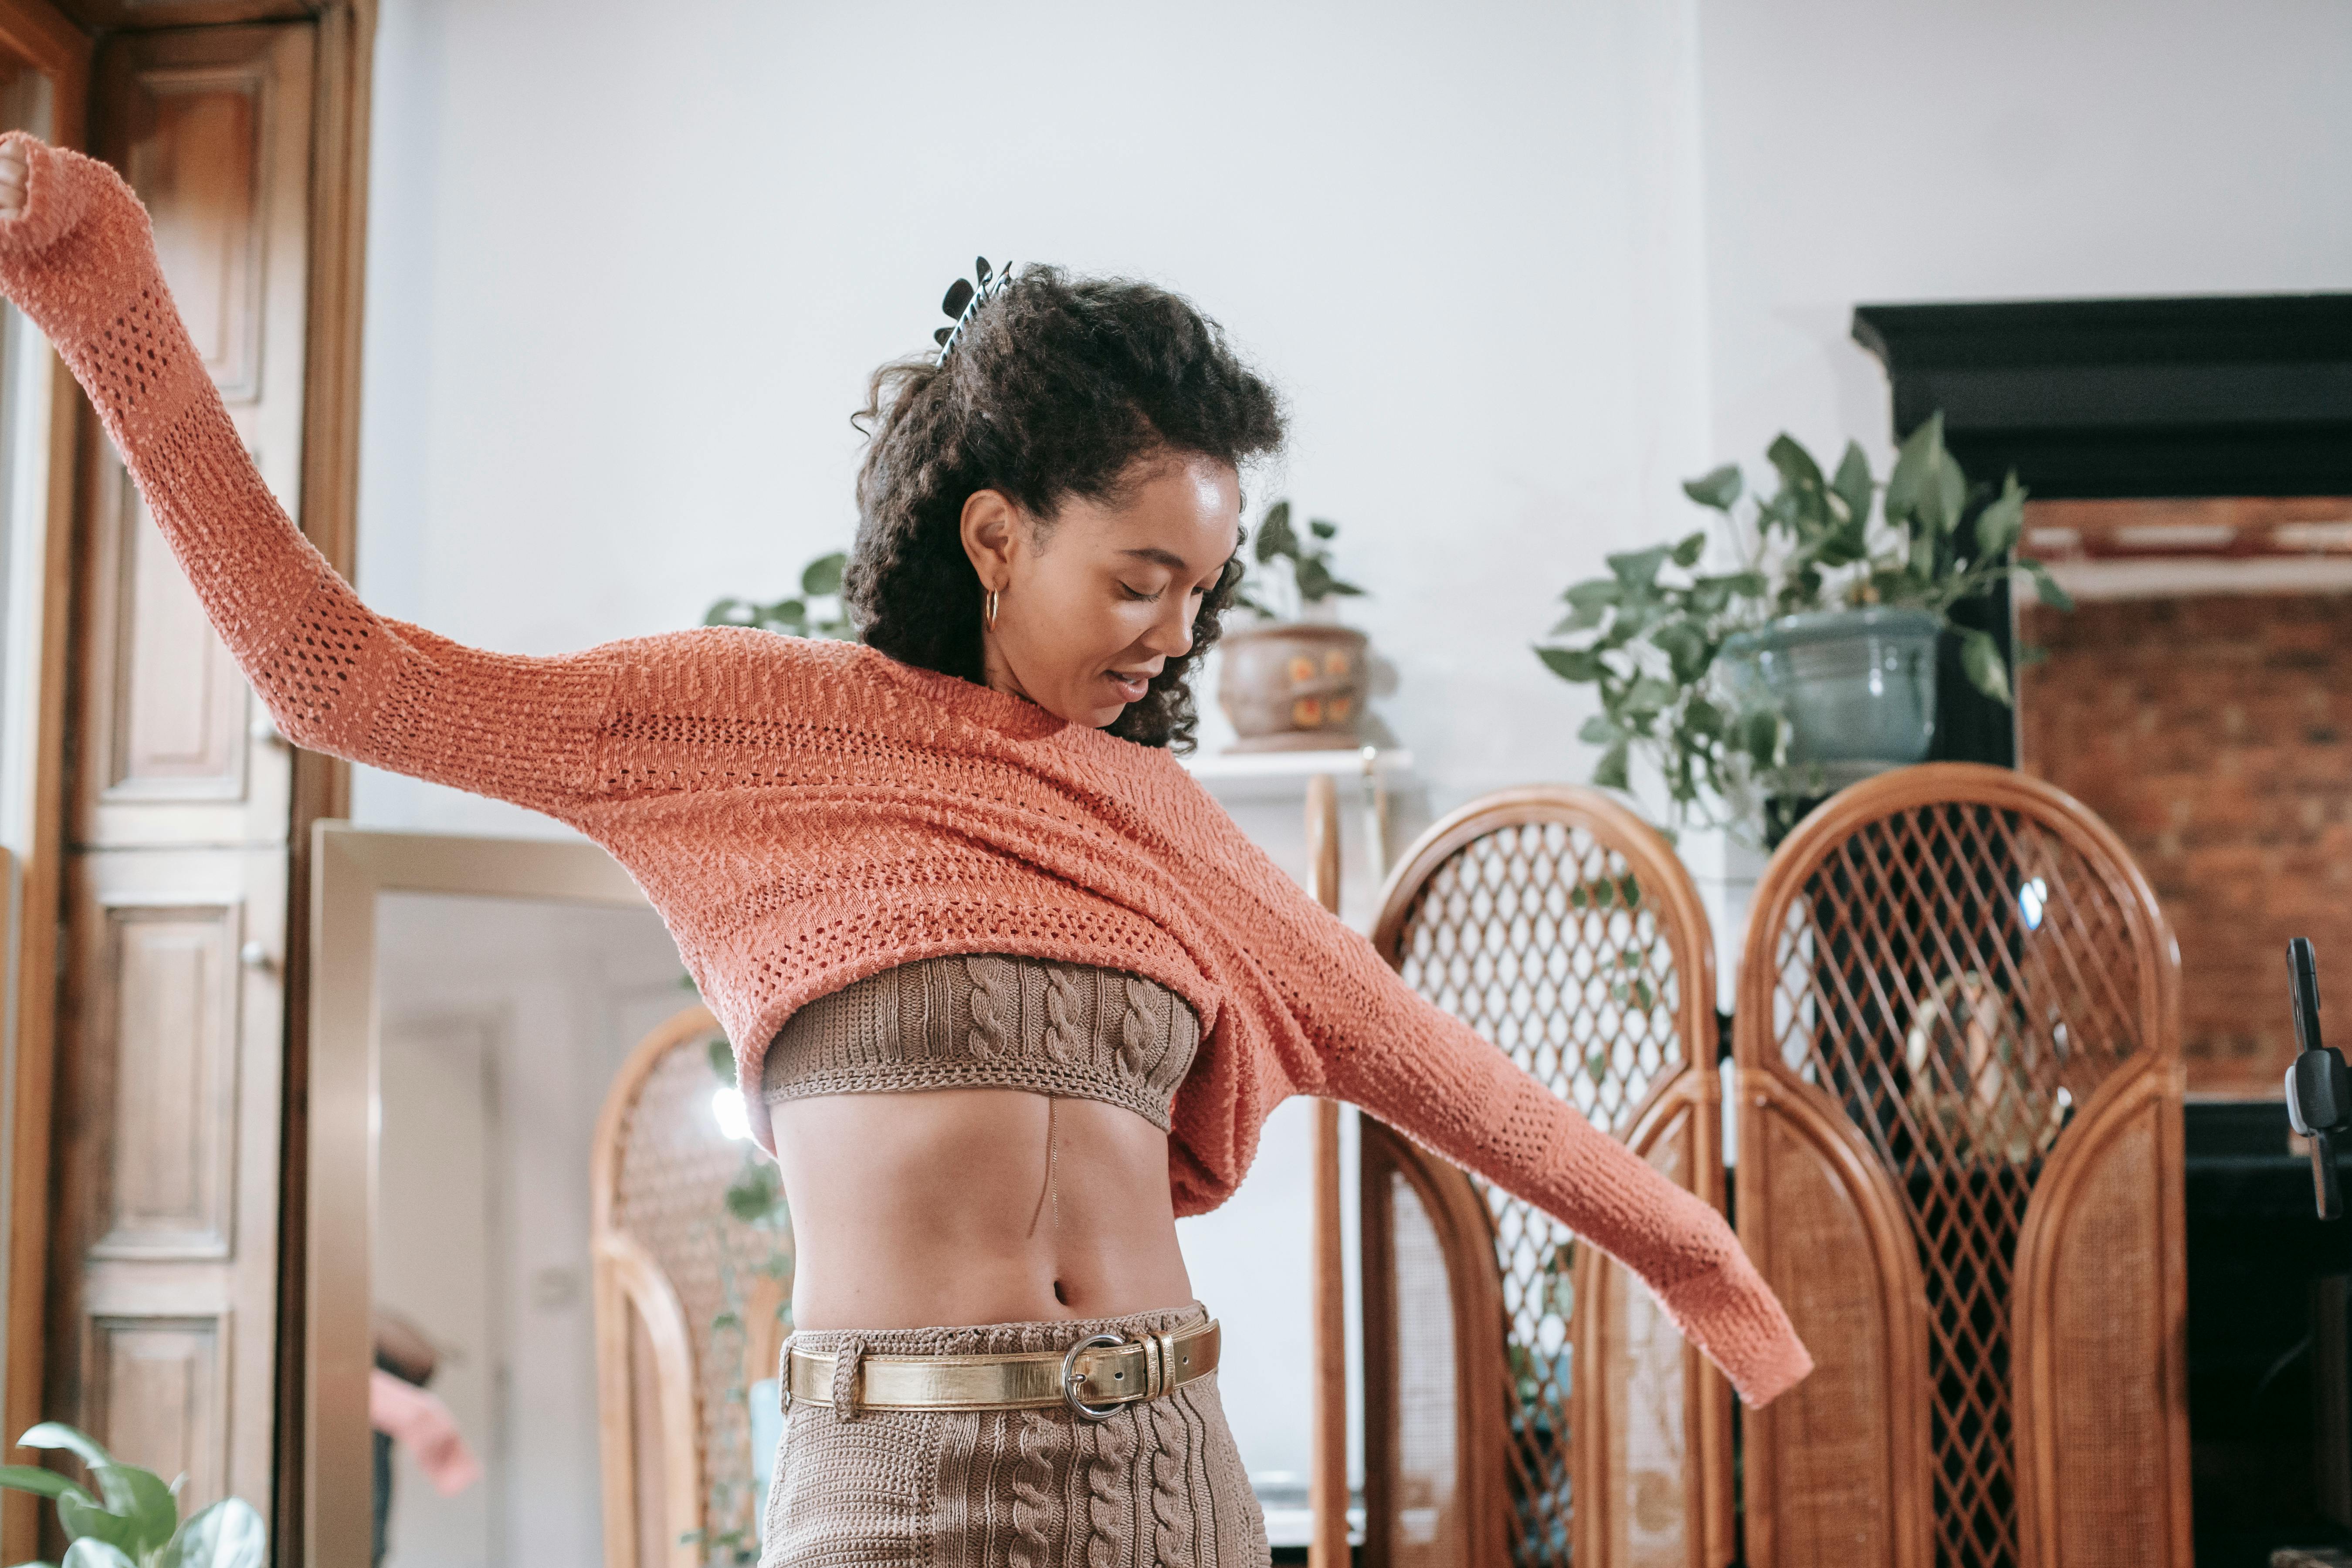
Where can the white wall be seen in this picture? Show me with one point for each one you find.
(1897, 151)
(625, 283)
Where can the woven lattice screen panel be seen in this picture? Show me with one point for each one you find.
(1559, 946)
(1950, 986)
(676, 1170)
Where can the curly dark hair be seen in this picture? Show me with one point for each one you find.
(1058, 388)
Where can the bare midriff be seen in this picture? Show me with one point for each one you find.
(935, 1208)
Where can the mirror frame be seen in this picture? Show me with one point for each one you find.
(348, 867)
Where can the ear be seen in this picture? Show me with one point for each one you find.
(992, 533)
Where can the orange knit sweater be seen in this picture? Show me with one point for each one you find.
(804, 813)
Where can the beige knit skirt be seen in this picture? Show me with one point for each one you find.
(1158, 1485)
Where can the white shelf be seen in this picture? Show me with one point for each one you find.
(1266, 775)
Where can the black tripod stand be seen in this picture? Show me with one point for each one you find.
(2318, 1086)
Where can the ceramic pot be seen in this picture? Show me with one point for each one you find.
(1857, 688)
(1293, 686)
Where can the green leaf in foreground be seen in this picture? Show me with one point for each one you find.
(58, 1435)
(35, 1479)
(229, 1535)
(89, 1551)
(142, 1498)
(83, 1518)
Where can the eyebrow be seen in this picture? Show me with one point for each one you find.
(1167, 558)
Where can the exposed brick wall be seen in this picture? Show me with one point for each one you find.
(2215, 735)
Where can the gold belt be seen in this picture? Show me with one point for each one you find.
(1093, 1377)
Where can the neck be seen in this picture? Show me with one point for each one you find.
(996, 673)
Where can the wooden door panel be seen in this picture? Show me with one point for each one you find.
(161, 1055)
(212, 130)
(200, 164)
(156, 1383)
(179, 801)
(166, 1241)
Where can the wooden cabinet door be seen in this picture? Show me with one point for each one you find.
(163, 1281)
(213, 130)
(161, 1343)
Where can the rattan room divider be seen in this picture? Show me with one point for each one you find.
(1960, 1164)
(1564, 928)
(685, 1322)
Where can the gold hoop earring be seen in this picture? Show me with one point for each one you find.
(989, 612)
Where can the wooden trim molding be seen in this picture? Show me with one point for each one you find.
(147, 16)
(44, 39)
(320, 790)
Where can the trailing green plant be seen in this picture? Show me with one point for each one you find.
(1289, 570)
(134, 1521)
(1647, 635)
(816, 611)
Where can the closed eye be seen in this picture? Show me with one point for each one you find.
(1138, 594)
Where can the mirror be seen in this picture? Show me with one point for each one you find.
(475, 999)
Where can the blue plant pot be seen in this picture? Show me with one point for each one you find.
(1857, 687)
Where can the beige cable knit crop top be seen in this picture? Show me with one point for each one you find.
(985, 1020)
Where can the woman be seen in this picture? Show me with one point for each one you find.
(1008, 992)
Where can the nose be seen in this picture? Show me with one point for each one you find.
(1170, 634)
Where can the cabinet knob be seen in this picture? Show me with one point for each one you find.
(264, 731)
(253, 955)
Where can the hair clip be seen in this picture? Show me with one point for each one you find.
(963, 301)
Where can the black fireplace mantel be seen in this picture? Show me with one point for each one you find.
(2221, 395)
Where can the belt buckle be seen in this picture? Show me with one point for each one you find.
(1073, 1379)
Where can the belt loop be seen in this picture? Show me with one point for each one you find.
(784, 1377)
(1150, 1365)
(844, 1378)
(1166, 1340)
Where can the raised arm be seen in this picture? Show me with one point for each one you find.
(1425, 1072)
(76, 256)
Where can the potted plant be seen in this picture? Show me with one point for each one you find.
(134, 1521)
(1811, 663)
(816, 612)
(1296, 681)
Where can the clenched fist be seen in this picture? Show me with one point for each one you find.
(12, 179)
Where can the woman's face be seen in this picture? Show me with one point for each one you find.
(1092, 602)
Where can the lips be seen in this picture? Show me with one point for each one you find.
(1132, 686)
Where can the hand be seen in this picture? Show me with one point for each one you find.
(12, 179)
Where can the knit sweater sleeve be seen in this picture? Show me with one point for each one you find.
(1387, 1048)
(80, 260)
